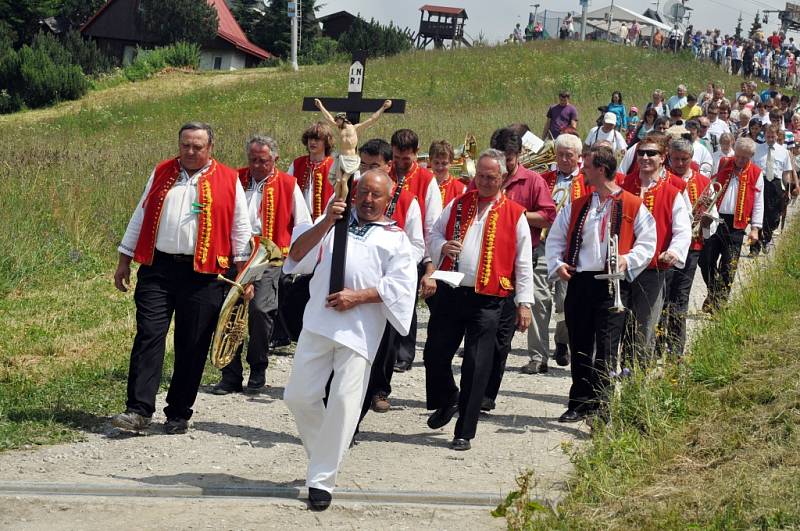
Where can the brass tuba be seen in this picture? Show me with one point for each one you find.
(232, 322)
(540, 161)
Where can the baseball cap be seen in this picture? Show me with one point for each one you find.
(635, 109)
(610, 118)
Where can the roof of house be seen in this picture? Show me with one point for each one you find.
(457, 11)
(228, 29)
(338, 14)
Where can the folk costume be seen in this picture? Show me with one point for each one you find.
(774, 162)
(741, 202)
(312, 178)
(275, 205)
(184, 231)
(379, 255)
(579, 238)
(496, 261)
(679, 280)
(420, 182)
(450, 189)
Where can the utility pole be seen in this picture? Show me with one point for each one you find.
(610, 19)
(584, 7)
(535, 10)
(291, 9)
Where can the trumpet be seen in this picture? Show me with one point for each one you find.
(702, 207)
(614, 275)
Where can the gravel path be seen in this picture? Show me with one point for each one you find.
(244, 442)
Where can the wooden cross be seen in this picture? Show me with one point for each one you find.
(353, 105)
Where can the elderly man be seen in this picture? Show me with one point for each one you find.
(577, 250)
(341, 331)
(678, 101)
(191, 223)
(740, 202)
(484, 236)
(275, 205)
(775, 162)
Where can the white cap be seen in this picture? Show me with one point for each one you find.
(610, 118)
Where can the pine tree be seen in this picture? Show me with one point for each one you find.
(171, 21)
(738, 32)
(756, 24)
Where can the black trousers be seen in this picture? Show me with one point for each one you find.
(645, 300)
(505, 334)
(261, 320)
(170, 286)
(405, 347)
(593, 329)
(460, 313)
(676, 306)
(719, 260)
(773, 206)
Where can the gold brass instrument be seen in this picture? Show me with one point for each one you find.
(232, 321)
(464, 157)
(702, 207)
(614, 275)
(540, 161)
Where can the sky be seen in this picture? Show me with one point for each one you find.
(496, 18)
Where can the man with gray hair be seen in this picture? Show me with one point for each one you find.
(275, 205)
(678, 101)
(190, 225)
(483, 241)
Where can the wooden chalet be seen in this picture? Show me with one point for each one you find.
(442, 24)
(335, 24)
(118, 30)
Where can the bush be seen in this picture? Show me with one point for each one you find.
(149, 62)
(86, 54)
(321, 50)
(378, 39)
(182, 55)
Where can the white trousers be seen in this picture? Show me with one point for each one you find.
(326, 432)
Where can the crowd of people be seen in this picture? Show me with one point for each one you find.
(609, 238)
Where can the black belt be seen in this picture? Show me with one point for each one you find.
(182, 258)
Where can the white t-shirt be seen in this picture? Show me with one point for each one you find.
(614, 137)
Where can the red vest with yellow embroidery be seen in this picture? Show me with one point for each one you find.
(400, 212)
(695, 187)
(277, 204)
(659, 200)
(316, 174)
(578, 188)
(495, 275)
(450, 189)
(416, 181)
(630, 208)
(745, 199)
(216, 193)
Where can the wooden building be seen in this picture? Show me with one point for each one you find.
(118, 30)
(335, 24)
(442, 24)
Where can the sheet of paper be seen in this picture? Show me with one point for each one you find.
(532, 142)
(451, 277)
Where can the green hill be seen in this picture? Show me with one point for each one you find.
(73, 173)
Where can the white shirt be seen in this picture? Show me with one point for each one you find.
(702, 156)
(728, 204)
(717, 127)
(593, 253)
(716, 156)
(177, 228)
(676, 102)
(379, 258)
(627, 160)
(614, 137)
(564, 185)
(254, 194)
(780, 160)
(471, 252)
(712, 228)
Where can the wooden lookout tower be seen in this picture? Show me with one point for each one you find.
(442, 24)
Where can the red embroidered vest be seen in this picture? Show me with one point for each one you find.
(659, 200)
(578, 189)
(277, 204)
(416, 181)
(495, 275)
(630, 208)
(695, 187)
(216, 194)
(314, 175)
(745, 199)
(450, 189)
(401, 207)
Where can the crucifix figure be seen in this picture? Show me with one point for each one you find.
(347, 120)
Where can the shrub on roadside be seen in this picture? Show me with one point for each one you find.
(149, 62)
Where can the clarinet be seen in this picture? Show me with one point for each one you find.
(457, 232)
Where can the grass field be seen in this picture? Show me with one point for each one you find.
(73, 173)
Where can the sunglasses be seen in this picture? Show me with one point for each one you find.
(648, 152)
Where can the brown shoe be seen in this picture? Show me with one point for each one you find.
(534, 367)
(380, 403)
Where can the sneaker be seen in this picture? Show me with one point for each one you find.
(534, 367)
(130, 421)
(176, 426)
(380, 403)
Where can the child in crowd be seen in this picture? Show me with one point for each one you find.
(633, 123)
(441, 157)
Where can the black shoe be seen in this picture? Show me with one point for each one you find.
(319, 499)
(487, 404)
(223, 388)
(402, 366)
(460, 445)
(176, 426)
(256, 381)
(573, 415)
(442, 416)
(562, 354)
(279, 343)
